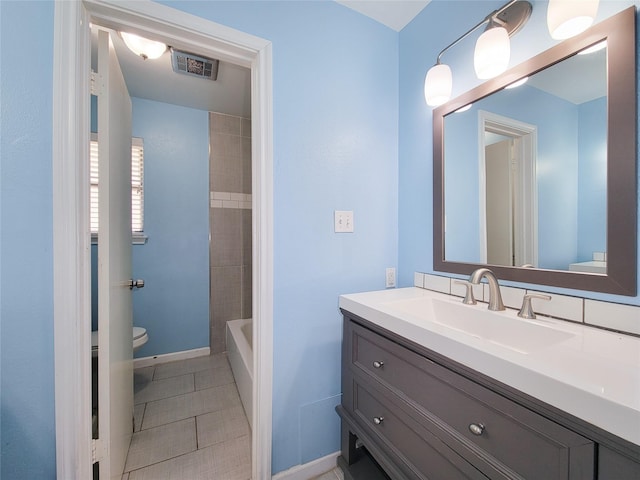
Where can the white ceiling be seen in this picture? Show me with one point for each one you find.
(395, 14)
(156, 80)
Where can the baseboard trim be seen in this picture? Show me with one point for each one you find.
(309, 470)
(170, 357)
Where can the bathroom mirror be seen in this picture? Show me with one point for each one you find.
(538, 182)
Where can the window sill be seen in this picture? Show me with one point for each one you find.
(137, 238)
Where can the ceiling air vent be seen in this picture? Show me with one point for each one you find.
(195, 65)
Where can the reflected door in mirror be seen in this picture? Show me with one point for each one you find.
(555, 215)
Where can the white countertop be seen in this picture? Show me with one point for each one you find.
(593, 266)
(593, 375)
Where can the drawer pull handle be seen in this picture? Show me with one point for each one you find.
(378, 364)
(476, 428)
(378, 420)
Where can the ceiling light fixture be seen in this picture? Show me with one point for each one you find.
(491, 56)
(143, 47)
(567, 18)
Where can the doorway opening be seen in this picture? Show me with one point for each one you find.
(507, 191)
(71, 195)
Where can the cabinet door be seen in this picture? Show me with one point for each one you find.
(423, 455)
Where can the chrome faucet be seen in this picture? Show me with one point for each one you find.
(495, 298)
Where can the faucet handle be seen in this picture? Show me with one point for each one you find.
(468, 296)
(527, 311)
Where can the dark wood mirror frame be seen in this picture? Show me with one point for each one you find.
(619, 32)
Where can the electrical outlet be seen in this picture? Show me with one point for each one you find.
(343, 221)
(390, 279)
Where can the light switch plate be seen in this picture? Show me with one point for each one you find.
(343, 221)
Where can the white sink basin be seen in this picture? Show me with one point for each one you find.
(504, 329)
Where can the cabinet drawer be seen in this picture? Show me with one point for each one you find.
(420, 450)
(520, 439)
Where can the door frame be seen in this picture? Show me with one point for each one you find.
(526, 204)
(71, 232)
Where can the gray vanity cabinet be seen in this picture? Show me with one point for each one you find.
(419, 418)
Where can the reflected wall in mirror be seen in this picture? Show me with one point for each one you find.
(537, 168)
(539, 181)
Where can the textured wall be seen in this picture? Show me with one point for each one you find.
(26, 242)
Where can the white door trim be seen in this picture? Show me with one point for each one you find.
(527, 203)
(71, 234)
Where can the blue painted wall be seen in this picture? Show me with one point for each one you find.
(174, 303)
(26, 241)
(335, 86)
(420, 43)
(592, 181)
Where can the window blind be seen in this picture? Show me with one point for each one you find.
(137, 184)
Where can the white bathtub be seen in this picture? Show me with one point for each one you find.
(240, 354)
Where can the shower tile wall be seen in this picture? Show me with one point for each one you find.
(230, 223)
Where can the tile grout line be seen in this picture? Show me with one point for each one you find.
(171, 395)
(184, 394)
(168, 458)
(198, 447)
(188, 393)
(171, 458)
(186, 372)
(195, 417)
(182, 454)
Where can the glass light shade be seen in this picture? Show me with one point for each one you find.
(566, 18)
(594, 48)
(517, 83)
(438, 85)
(491, 56)
(142, 46)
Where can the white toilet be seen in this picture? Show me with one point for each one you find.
(140, 337)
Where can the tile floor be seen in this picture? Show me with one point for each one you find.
(189, 423)
(335, 474)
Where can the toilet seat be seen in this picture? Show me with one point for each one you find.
(140, 337)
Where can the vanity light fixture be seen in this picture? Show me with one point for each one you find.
(438, 84)
(492, 53)
(567, 18)
(491, 56)
(143, 47)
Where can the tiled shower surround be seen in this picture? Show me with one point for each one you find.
(230, 223)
